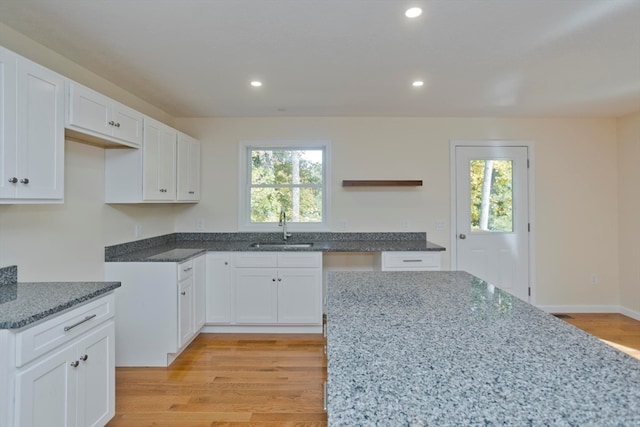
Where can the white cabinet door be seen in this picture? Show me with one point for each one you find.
(188, 169)
(89, 110)
(128, 124)
(46, 391)
(300, 296)
(256, 295)
(33, 131)
(159, 161)
(185, 311)
(219, 271)
(199, 293)
(8, 146)
(96, 115)
(96, 376)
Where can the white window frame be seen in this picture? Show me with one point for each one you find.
(244, 220)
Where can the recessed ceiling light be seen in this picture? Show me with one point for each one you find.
(256, 83)
(417, 83)
(413, 12)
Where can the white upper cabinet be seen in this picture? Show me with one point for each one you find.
(151, 175)
(159, 161)
(31, 131)
(94, 117)
(188, 168)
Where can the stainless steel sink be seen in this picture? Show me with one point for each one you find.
(283, 245)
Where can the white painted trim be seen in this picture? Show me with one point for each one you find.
(243, 220)
(631, 313)
(580, 308)
(453, 144)
(261, 329)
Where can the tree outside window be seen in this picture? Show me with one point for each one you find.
(290, 178)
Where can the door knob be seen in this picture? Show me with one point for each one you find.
(462, 236)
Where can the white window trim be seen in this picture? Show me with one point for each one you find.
(244, 223)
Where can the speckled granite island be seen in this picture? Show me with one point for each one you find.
(447, 349)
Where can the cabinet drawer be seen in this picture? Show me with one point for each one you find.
(185, 270)
(300, 259)
(410, 261)
(256, 260)
(44, 337)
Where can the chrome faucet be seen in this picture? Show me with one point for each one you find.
(283, 224)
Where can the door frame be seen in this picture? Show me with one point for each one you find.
(531, 199)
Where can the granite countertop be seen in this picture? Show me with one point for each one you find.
(180, 247)
(24, 303)
(447, 349)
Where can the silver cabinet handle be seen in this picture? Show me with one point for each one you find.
(273, 280)
(226, 263)
(117, 125)
(192, 192)
(411, 260)
(188, 269)
(112, 123)
(24, 180)
(86, 319)
(279, 279)
(462, 236)
(183, 293)
(13, 180)
(84, 358)
(74, 364)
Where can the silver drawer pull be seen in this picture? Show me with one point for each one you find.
(86, 319)
(188, 269)
(411, 260)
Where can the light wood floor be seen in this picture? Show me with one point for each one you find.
(228, 380)
(617, 330)
(265, 380)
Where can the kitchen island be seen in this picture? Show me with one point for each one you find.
(447, 349)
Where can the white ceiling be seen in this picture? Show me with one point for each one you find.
(352, 57)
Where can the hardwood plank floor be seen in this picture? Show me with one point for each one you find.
(229, 380)
(617, 330)
(266, 380)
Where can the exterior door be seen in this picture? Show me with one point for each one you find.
(492, 215)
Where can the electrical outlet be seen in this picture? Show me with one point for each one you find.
(406, 225)
(343, 224)
(441, 224)
(138, 230)
(200, 224)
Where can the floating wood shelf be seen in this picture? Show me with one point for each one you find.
(382, 183)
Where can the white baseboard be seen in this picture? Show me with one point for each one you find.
(631, 313)
(590, 309)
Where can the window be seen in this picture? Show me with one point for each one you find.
(284, 175)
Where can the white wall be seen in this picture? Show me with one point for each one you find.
(66, 241)
(576, 185)
(576, 226)
(629, 236)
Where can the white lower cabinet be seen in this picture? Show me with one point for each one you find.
(72, 387)
(73, 384)
(278, 288)
(160, 309)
